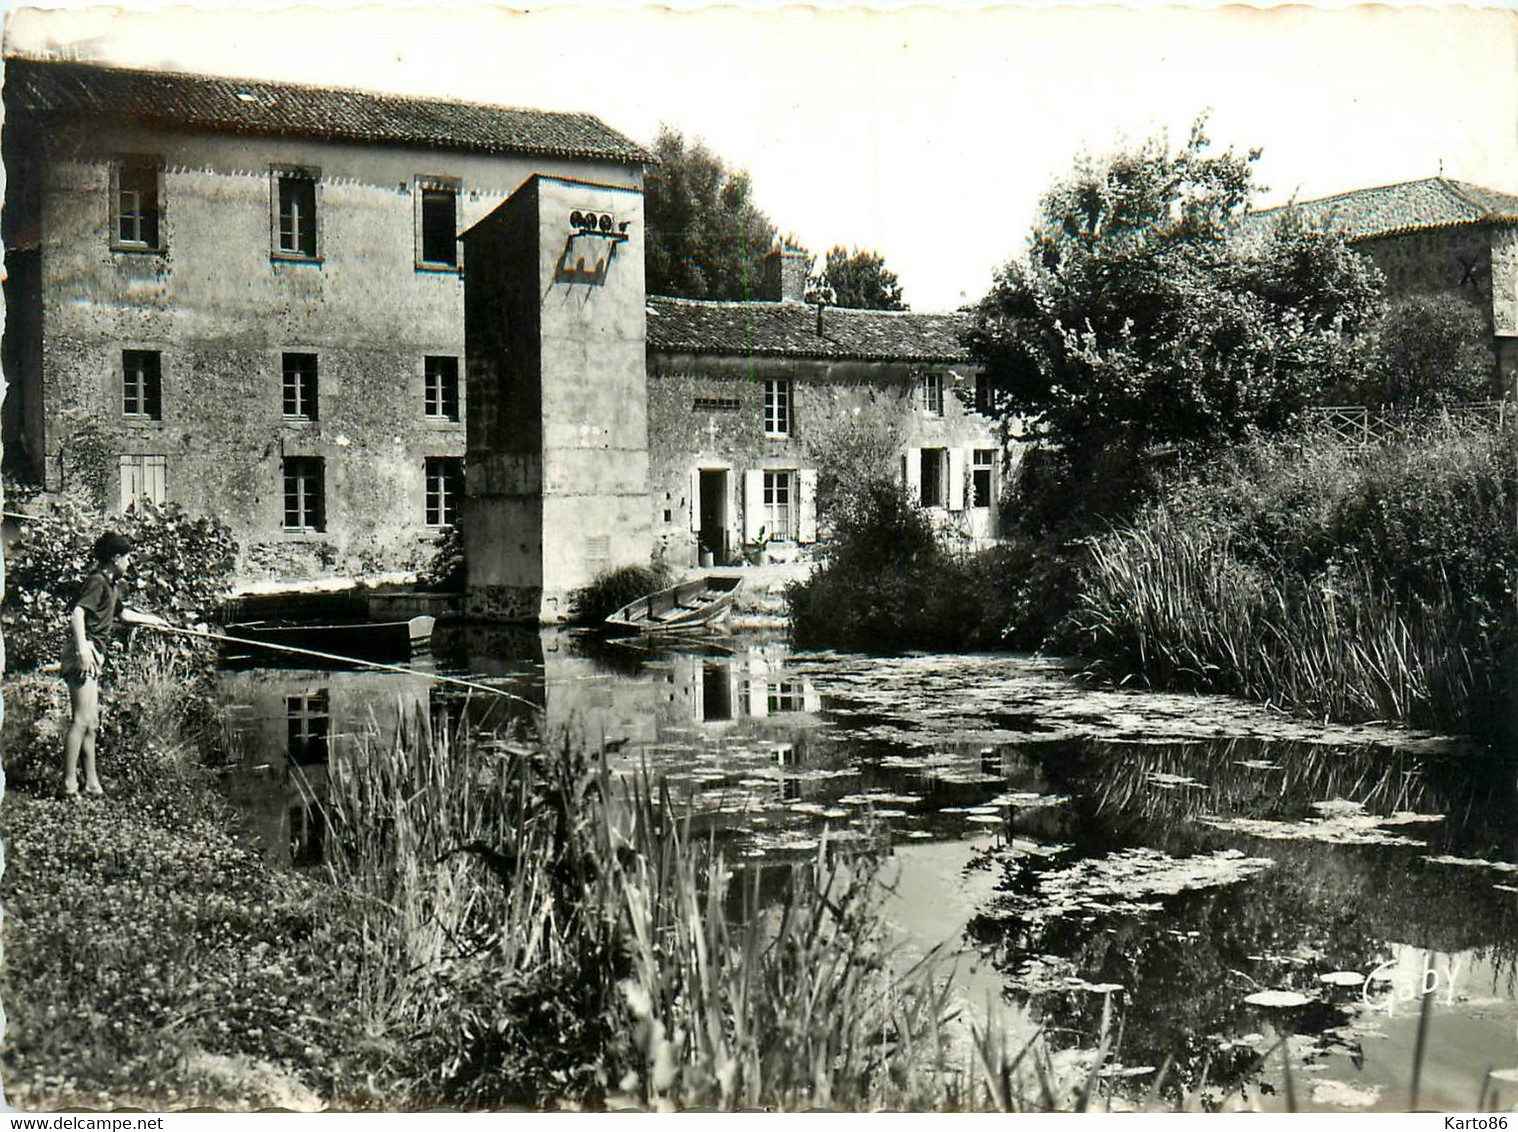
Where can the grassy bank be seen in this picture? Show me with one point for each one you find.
(1332, 580)
(152, 959)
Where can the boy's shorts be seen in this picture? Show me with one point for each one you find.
(72, 669)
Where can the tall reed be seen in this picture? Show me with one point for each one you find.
(536, 933)
(1352, 585)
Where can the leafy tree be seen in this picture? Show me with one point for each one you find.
(851, 454)
(861, 279)
(706, 238)
(1137, 321)
(1430, 349)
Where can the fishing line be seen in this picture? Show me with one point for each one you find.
(207, 634)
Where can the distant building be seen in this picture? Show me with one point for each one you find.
(1435, 235)
(246, 297)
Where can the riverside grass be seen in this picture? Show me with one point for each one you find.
(546, 939)
(1252, 582)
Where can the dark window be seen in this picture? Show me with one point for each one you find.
(439, 228)
(137, 204)
(142, 384)
(980, 477)
(933, 478)
(787, 695)
(297, 215)
(300, 386)
(442, 388)
(981, 402)
(715, 405)
(445, 487)
(309, 719)
(305, 508)
(777, 407)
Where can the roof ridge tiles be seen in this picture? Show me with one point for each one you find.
(77, 85)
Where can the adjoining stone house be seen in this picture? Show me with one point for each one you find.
(745, 399)
(246, 297)
(1435, 235)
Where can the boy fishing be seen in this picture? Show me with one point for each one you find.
(91, 620)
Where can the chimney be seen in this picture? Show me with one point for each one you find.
(785, 272)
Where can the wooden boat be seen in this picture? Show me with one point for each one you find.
(696, 604)
(362, 640)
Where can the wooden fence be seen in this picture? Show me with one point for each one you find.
(1361, 425)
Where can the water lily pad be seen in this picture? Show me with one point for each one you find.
(1341, 1094)
(1342, 979)
(1473, 863)
(1277, 999)
(1127, 1071)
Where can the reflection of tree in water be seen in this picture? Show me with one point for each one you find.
(1188, 964)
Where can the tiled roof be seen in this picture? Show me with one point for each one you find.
(789, 330)
(249, 106)
(1412, 206)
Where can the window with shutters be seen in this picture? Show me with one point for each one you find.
(295, 218)
(142, 384)
(143, 478)
(137, 201)
(779, 505)
(934, 477)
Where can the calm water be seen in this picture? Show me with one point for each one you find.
(1179, 853)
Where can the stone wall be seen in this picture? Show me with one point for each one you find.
(222, 310)
(559, 438)
(1479, 263)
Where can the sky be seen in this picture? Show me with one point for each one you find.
(926, 134)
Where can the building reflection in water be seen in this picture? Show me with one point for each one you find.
(651, 706)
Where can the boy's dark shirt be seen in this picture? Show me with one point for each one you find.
(101, 600)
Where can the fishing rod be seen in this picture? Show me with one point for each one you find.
(207, 634)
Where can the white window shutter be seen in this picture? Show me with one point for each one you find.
(806, 487)
(753, 504)
(131, 483)
(154, 478)
(956, 479)
(914, 475)
(695, 499)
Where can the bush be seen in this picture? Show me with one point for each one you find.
(610, 591)
(446, 572)
(888, 584)
(181, 569)
(1431, 350)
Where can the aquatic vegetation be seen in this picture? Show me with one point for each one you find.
(1339, 823)
(1356, 584)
